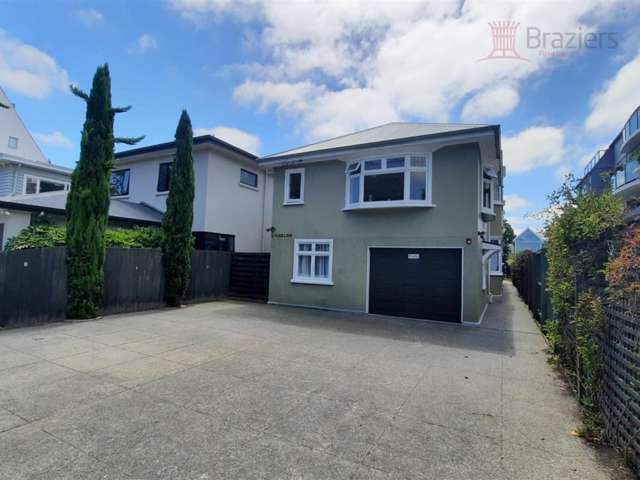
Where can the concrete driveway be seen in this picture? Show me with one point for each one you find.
(236, 390)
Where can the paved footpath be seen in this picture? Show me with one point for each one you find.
(232, 390)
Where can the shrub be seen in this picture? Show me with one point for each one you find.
(623, 271)
(47, 236)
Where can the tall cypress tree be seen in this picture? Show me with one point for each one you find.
(178, 239)
(87, 207)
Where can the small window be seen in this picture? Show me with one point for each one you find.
(248, 178)
(13, 142)
(294, 186)
(373, 165)
(48, 186)
(395, 162)
(312, 261)
(495, 263)
(33, 185)
(487, 193)
(164, 176)
(120, 182)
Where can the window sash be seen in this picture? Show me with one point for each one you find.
(120, 188)
(412, 164)
(487, 194)
(164, 177)
(33, 185)
(248, 178)
(288, 176)
(312, 261)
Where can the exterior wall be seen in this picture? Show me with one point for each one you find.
(11, 126)
(221, 203)
(13, 223)
(455, 192)
(7, 176)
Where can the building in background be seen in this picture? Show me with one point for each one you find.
(528, 240)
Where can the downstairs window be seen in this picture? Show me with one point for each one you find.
(312, 261)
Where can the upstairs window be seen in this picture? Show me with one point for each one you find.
(33, 185)
(312, 261)
(13, 143)
(248, 178)
(399, 180)
(164, 177)
(120, 182)
(294, 186)
(487, 187)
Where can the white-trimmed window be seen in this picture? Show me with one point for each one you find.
(400, 180)
(248, 179)
(33, 185)
(495, 264)
(294, 186)
(119, 183)
(487, 194)
(312, 261)
(13, 143)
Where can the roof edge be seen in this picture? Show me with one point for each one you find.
(199, 140)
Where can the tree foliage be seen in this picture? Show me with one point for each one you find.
(176, 224)
(47, 236)
(508, 236)
(87, 207)
(623, 271)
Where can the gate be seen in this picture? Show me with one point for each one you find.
(250, 276)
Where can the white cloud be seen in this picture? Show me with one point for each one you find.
(90, 17)
(490, 103)
(234, 136)
(28, 70)
(532, 148)
(54, 139)
(145, 42)
(612, 105)
(407, 60)
(514, 202)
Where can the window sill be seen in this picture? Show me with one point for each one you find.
(312, 281)
(501, 203)
(162, 194)
(249, 187)
(496, 274)
(377, 205)
(120, 197)
(293, 203)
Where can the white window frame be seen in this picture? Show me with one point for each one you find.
(312, 279)
(406, 170)
(115, 170)
(16, 143)
(497, 272)
(246, 185)
(66, 185)
(490, 181)
(287, 175)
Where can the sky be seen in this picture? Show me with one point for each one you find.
(272, 75)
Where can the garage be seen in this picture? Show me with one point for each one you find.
(424, 283)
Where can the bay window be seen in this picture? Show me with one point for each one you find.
(312, 261)
(395, 181)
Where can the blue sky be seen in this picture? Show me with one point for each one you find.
(269, 76)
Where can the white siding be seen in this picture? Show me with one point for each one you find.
(11, 126)
(14, 222)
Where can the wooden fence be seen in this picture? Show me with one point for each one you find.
(250, 276)
(619, 347)
(33, 282)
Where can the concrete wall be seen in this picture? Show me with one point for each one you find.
(455, 192)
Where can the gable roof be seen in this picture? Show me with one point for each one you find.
(200, 140)
(55, 202)
(528, 230)
(11, 125)
(387, 134)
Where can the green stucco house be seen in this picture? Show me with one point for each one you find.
(404, 219)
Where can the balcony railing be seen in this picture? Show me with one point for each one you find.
(631, 132)
(592, 163)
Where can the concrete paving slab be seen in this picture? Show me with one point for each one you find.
(244, 390)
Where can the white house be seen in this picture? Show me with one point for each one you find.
(232, 206)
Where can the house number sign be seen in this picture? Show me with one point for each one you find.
(282, 235)
(413, 256)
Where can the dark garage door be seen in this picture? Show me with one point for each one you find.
(420, 283)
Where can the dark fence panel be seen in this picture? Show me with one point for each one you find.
(209, 275)
(32, 286)
(133, 280)
(250, 275)
(33, 282)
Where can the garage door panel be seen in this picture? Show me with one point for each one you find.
(417, 283)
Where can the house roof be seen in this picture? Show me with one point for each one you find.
(55, 202)
(528, 230)
(388, 134)
(49, 167)
(200, 140)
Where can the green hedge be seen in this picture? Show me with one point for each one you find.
(43, 236)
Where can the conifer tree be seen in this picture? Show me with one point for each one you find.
(178, 218)
(87, 207)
